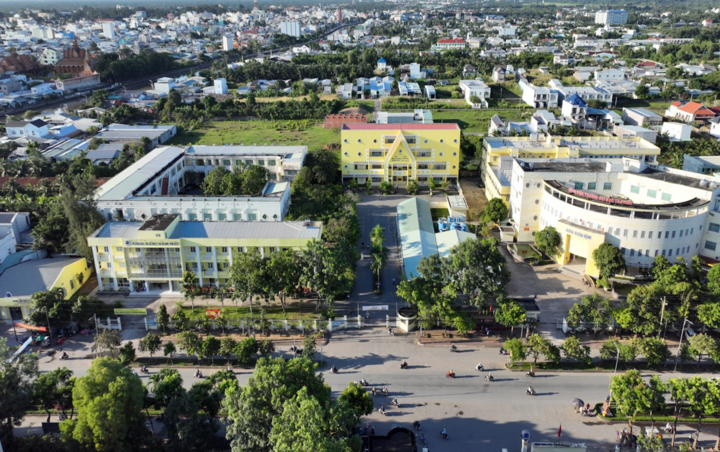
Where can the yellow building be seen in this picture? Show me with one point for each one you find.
(398, 153)
(152, 256)
(498, 153)
(19, 282)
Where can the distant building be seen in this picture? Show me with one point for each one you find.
(418, 116)
(381, 64)
(75, 61)
(227, 43)
(676, 131)
(456, 43)
(109, 30)
(164, 84)
(689, 111)
(50, 57)
(336, 121)
(78, 83)
(220, 85)
(611, 17)
(642, 118)
(475, 88)
(121, 133)
(291, 28)
(20, 64)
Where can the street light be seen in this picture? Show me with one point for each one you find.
(682, 333)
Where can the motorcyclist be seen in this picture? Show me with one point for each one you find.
(374, 393)
(489, 377)
(422, 438)
(451, 373)
(530, 390)
(64, 356)
(333, 369)
(394, 402)
(403, 364)
(144, 369)
(479, 366)
(443, 433)
(453, 347)
(363, 382)
(416, 425)
(385, 390)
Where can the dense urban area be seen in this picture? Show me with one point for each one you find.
(360, 227)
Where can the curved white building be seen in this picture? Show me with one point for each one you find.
(645, 210)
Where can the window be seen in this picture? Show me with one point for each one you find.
(210, 266)
(592, 185)
(222, 216)
(107, 249)
(710, 245)
(227, 162)
(622, 250)
(666, 197)
(579, 185)
(207, 217)
(656, 253)
(663, 252)
(670, 252)
(714, 227)
(200, 162)
(208, 249)
(673, 235)
(271, 162)
(634, 189)
(651, 193)
(617, 232)
(248, 162)
(681, 232)
(252, 216)
(261, 162)
(647, 253)
(642, 234)
(193, 249)
(650, 234)
(632, 253)
(677, 251)
(667, 233)
(224, 249)
(625, 232)
(607, 186)
(635, 234)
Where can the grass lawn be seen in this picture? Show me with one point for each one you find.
(656, 106)
(243, 312)
(476, 121)
(505, 90)
(308, 133)
(439, 213)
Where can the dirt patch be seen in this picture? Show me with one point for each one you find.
(354, 111)
(474, 195)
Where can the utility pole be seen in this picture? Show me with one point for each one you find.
(617, 358)
(48, 324)
(662, 311)
(682, 333)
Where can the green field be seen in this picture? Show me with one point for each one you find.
(234, 313)
(308, 133)
(477, 121)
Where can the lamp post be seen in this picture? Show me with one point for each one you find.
(617, 358)
(682, 333)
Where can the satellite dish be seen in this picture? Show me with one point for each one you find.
(8, 295)
(525, 435)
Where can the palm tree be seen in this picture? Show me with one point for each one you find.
(379, 259)
(377, 236)
(189, 287)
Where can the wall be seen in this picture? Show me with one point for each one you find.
(67, 279)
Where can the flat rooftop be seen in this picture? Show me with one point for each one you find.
(444, 126)
(280, 151)
(219, 230)
(563, 167)
(586, 144)
(158, 222)
(711, 183)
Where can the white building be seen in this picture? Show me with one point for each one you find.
(609, 74)
(538, 96)
(291, 28)
(220, 85)
(50, 57)
(611, 17)
(677, 131)
(477, 88)
(109, 30)
(163, 181)
(416, 72)
(164, 84)
(644, 210)
(227, 43)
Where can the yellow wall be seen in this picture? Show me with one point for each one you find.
(67, 278)
(443, 146)
(580, 242)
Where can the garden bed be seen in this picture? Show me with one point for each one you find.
(618, 417)
(605, 367)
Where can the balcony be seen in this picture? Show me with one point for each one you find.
(208, 273)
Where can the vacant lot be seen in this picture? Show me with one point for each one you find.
(308, 133)
(477, 121)
(656, 106)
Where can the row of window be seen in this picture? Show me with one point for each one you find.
(666, 252)
(391, 140)
(593, 186)
(229, 162)
(651, 193)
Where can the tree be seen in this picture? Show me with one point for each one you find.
(266, 348)
(254, 179)
(227, 347)
(248, 277)
(477, 267)
(609, 260)
(592, 309)
(632, 394)
(53, 390)
(538, 345)
(495, 211)
(308, 425)
(162, 317)
(709, 313)
(358, 399)
(253, 406)
(655, 350)
(517, 349)
(641, 313)
(573, 350)
(510, 314)
(127, 353)
(309, 347)
(150, 343)
(209, 348)
(189, 342)
(207, 397)
(213, 183)
(50, 304)
(245, 350)
(713, 280)
(109, 399)
(166, 385)
(16, 387)
(190, 287)
(108, 340)
(702, 344)
(187, 428)
(548, 241)
(85, 307)
(79, 205)
(169, 350)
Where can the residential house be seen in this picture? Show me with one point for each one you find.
(469, 71)
(475, 88)
(381, 64)
(689, 112)
(454, 43)
(642, 118)
(430, 92)
(609, 74)
(574, 108)
(416, 72)
(33, 129)
(564, 59)
(715, 127)
(677, 131)
(345, 91)
(538, 96)
(498, 74)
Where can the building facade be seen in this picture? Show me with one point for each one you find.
(499, 153)
(611, 17)
(398, 153)
(291, 28)
(151, 256)
(166, 181)
(644, 210)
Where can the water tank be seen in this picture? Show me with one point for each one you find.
(455, 226)
(443, 225)
(464, 227)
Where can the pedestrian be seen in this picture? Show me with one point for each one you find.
(372, 431)
(587, 408)
(393, 281)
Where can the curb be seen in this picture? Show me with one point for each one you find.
(492, 344)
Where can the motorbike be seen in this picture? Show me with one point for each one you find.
(60, 341)
(364, 382)
(530, 373)
(61, 417)
(416, 425)
(198, 374)
(144, 370)
(64, 356)
(453, 349)
(479, 368)
(504, 352)
(422, 438)
(382, 411)
(333, 369)
(530, 391)
(403, 365)
(384, 391)
(444, 435)
(450, 375)
(489, 378)
(395, 404)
